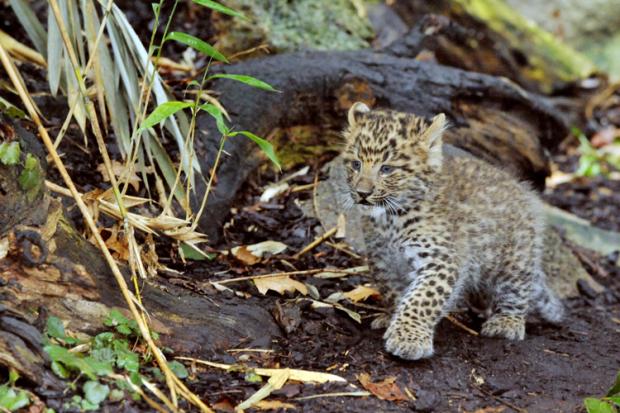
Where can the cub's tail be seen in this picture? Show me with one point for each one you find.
(547, 303)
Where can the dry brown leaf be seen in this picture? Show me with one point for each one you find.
(279, 284)
(251, 254)
(120, 170)
(361, 293)
(118, 244)
(386, 389)
(494, 409)
(273, 405)
(224, 405)
(244, 255)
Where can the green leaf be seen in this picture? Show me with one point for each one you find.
(598, 406)
(13, 376)
(252, 377)
(30, 177)
(178, 369)
(103, 339)
(615, 400)
(95, 392)
(219, 8)
(9, 153)
(190, 252)
(615, 389)
(263, 144)
(217, 114)
(116, 395)
(248, 80)
(105, 354)
(125, 358)
(86, 365)
(11, 400)
(195, 43)
(60, 370)
(55, 328)
(162, 112)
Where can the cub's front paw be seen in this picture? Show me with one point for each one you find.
(511, 327)
(408, 343)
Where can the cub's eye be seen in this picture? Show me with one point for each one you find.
(356, 165)
(386, 169)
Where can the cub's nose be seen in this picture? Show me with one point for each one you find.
(364, 193)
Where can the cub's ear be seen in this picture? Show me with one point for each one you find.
(355, 111)
(432, 136)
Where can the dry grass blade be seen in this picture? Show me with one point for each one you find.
(316, 242)
(344, 271)
(304, 376)
(127, 294)
(20, 50)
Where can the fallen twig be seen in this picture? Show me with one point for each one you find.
(336, 394)
(461, 325)
(281, 274)
(316, 242)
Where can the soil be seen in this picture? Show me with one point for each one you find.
(552, 370)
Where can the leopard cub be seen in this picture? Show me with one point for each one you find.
(439, 230)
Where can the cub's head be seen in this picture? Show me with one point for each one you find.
(391, 157)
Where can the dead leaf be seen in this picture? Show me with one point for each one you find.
(245, 256)
(224, 405)
(273, 405)
(251, 254)
(118, 244)
(273, 191)
(341, 232)
(494, 409)
(279, 284)
(4, 247)
(386, 389)
(122, 172)
(361, 293)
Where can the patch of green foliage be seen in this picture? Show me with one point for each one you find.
(297, 25)
(12, 398)
(608, 404)
(593, 161)
(31, 177)
(100, 360)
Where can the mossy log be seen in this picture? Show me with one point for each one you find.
(491, 117)
(488, 36)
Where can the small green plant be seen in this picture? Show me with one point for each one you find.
(103, 360)
(12, 398)
(593, 161)
(608, 404)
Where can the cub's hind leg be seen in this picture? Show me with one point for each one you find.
(510, 300)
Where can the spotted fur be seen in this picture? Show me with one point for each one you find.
(440, 231)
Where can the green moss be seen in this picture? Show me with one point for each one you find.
(296, 25)
(549, 59)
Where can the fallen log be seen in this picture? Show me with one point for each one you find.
(491, 117)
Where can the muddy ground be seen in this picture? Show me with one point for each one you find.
(552, 370)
